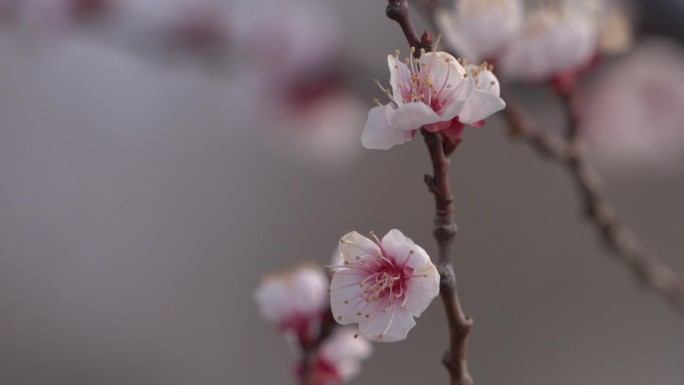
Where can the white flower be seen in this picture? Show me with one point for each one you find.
(339, 357)
(429, 92)
(555, 39)
(632, 116)
(484, 98)
(481, 29)
(295, 300)
(382, 286)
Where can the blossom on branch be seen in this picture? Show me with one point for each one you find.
(296, 301)
(556, 40)
(339, 357)
(428, 93)
(481, 29)
(382, 285)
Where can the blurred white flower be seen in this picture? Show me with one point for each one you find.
(429, 92)
(286, 37)
(481, 29)
(555, 40)
(290, 57)
(382, 286)
(322, 130)
(296, 301)
(339, 357)
(632, 116)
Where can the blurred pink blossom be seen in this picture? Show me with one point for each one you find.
(632, 116)
(324, 131)
(556, 40)
(382, 286)
(296, 301)
(339, 357)
(481, 29)
(285, 38)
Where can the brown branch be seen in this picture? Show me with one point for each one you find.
(397, 10)
(310, 349)
(627, 249)
(308, 361)
(445, 228)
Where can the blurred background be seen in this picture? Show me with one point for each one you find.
(158, 158)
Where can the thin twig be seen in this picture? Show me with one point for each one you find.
(308, 362)
(623, 244)
(445, 228)
(310, 349)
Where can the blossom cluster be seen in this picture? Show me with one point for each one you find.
(382, 285)
(296, 301)
(536, 42)
(435, 92)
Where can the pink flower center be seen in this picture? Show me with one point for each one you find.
(416, 84)
(386, 281)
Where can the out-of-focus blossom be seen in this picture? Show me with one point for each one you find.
(382, 286)
(296, 301)
(481, 29)
(555, 41)
(429, 92)
(632, 116)
(322, 130)
(290, 53)
(615, 25)
(339, 357)
(285, 38)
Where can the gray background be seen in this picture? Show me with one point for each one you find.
(138, 211)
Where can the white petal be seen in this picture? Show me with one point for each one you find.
(354, 245)
(480, 105)
(345, 296)
(397, 245)
(273, 300)
(390, 325)
(400, 76)
(309, 290)
(419, 260)
(445, 71)
(378, 134)
(423, 288)
(343, 351)
(458, 99)
(343, 346)
(481, 30)
(449, 25)
(411, 116)
(554, 40)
